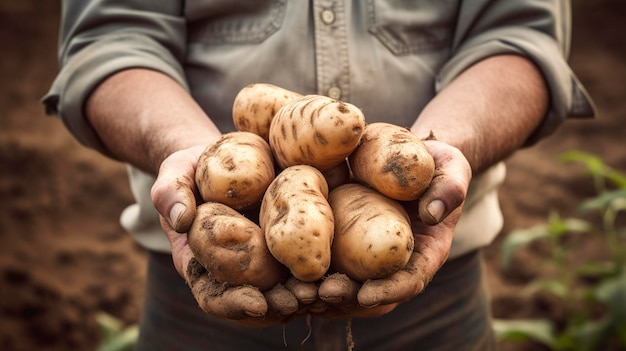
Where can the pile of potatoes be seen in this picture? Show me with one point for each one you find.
(305, 187)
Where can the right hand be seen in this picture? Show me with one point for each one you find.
(174, 196)
(433, 234)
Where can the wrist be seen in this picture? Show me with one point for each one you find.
(143, 116)
(486, 117)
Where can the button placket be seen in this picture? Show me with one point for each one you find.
(331, 49)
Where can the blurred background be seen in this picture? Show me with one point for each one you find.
(64, 259)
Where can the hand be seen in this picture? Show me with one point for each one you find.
(174, 196)
(433, 219)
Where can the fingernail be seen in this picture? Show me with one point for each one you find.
(176, 213)
(371, 305)
(435, 209)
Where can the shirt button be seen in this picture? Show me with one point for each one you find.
(328, 16)
(334, 93)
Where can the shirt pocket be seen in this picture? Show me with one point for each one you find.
(411, 27)
(233, 21)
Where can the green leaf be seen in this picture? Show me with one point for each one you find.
(594, 164)
(519, 238)
(556, 227)
(613, 293)
(552, 286)
(559, 227)
(593, 269)
(575, 225)
(618, 204)
(590, 335)
(123, 341)
(108, 324)
(114, 337)
(539, 330)
(617, 178)
(603, 201)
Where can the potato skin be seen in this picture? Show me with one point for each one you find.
(233, 248)
(298, 221)
(338, 175)
(255, 106)
(236, 170)
(373, 236)
(393, 161)
(315, 130)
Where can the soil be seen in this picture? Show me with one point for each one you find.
(64, 257)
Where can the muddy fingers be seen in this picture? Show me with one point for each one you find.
(215, 298)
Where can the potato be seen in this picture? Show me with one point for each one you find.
(338, 175)
(298, 221)
(393, 161)
(236, 170)
(233, 248)
(315, 130)
(255, 106)
(373, 237)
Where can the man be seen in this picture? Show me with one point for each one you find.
(152, 83)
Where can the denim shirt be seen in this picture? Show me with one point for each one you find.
(387, 57)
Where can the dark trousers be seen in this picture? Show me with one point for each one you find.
(451, 314)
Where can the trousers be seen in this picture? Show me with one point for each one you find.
(452, 313)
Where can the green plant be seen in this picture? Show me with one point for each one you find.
(114, 336)
(592, 285)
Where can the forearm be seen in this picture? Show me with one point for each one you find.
(488, 111)
(142, 116)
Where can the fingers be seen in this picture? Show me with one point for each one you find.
(430, 253)
(181, 252)
(339, 292)
(439, 209)
(173, 193)
(244, 305)
(305, 292)
(449, 185)
(214, 298)
(339, 288)
(281, 301)
(400, 287)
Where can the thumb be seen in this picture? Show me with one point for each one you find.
(173, 192)
(450, 183)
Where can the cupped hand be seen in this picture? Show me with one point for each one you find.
(433, 220)
(174, 196)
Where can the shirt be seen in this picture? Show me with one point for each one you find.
(387, 57)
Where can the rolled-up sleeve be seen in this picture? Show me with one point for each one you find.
(102, 37)
(536, 29)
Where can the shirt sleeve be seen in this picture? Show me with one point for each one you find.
(101, 37)
(537, 30)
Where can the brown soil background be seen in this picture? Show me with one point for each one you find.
(64, 257)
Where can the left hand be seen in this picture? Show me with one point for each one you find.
(433, 220)
(173, 195)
